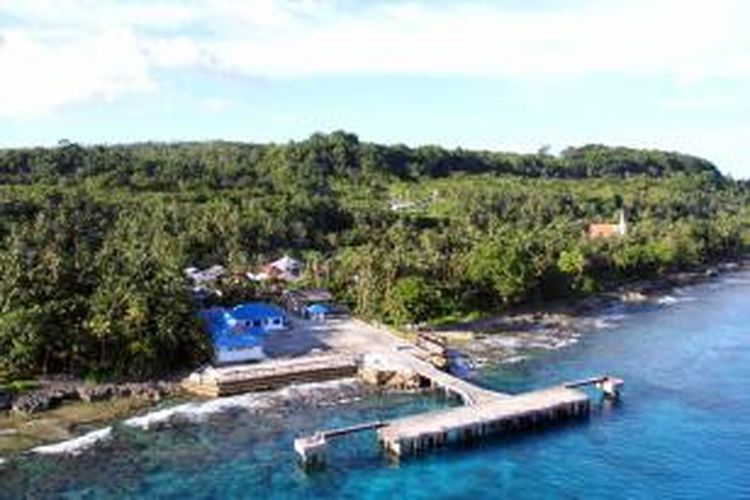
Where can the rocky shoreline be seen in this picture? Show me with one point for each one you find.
(52, 393)
(505, 338)
(72, 441)
(515, 335)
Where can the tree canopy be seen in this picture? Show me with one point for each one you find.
(93, 240)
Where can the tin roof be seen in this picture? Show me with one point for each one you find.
(232, 328)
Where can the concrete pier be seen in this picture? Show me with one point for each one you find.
(485, 413)
(419, 433)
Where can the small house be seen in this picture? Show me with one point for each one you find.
(205, 276)
(312, 303)
(285, 268)
(318, 312)
(237, 333)
(204, 281)
(609, 230)
(400, 205)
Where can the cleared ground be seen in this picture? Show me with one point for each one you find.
(339, 334)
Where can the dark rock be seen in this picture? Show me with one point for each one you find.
(95, 393)
(55, 392)
(123, 391)
(67, 393)
(6, 400)
(34, 402)
(154, 391)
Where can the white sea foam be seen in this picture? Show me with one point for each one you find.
(76, 445)
(667, 300)
(566, 342)
(515, 359)
(607, 321)
(603, 324)
(200, 411)
(736, 281)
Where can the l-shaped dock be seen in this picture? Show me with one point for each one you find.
(418, 433)
(483, 413)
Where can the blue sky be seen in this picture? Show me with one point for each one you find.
(506, 75)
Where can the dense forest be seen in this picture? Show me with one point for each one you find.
(93, 240)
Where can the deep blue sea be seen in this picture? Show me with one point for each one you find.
(682, 429)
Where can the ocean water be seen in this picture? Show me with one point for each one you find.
(681, 430)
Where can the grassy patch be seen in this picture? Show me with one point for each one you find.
(18, 386)
(459, 318)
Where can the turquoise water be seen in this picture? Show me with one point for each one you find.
(682, 430)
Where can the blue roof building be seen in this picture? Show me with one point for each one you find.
(237, 333)
(318, 311)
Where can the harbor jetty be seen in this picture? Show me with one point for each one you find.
(418, 433)
(484, 413)
(382, 359)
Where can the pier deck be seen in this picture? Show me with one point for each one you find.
(485, 413)
(416, 433)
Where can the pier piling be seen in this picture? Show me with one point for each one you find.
(311, 449)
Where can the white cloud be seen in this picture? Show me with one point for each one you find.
(69, 51)
(42, 75)
(99, 14)
(686, 40)
(214, 104)
(173, 52)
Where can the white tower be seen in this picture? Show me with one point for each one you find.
(622, 226)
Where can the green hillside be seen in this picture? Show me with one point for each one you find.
(93, 240)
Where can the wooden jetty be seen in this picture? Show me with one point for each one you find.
(270, 375)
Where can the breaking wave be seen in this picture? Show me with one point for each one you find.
(736, 281)
(668, 300)
(333, 392)
(515, 359)
(607, 321)
(341, 391)
(76, 445)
